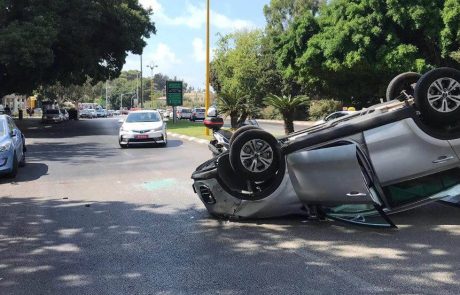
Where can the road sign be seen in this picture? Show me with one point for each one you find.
(174, 95)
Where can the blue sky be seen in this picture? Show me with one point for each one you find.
(178, 48)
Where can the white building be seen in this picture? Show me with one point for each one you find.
(15, 102)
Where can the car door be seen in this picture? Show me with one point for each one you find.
(410, 164)
(330, 176)
(16, 137)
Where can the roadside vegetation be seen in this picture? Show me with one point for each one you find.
(188, 128)
(338, 53)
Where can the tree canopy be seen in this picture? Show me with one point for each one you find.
(66, 41)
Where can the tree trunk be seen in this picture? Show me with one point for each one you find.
(242, 119)
(288, 122)
(234, 120)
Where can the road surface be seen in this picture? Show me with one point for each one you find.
(86, 217)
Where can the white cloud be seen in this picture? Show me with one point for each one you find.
(164, 57)
(195, 17)
(199, 52)
(153, 4)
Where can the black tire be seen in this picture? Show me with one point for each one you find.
(241, 144)
(22, 163)
(241, 130)
(123, 146)
(437, 96)
(14, 172)
(400, 83)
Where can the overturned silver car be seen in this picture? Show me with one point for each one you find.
(360, 168)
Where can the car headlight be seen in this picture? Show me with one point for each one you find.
(4, 147)
(158, 128)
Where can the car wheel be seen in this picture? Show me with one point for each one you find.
(165, 137)
(14, 170)
(122, 145)
(437, 96)
(22, 163)
(400, 83)
(255, 154)
(241, 130)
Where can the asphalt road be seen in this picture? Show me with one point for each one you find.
(86, 217)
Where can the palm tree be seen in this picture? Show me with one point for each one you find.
(286, 105)
(236, 106)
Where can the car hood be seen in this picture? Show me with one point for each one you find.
(142, 125)
(4, 139)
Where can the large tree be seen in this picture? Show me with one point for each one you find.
(362, 44)
(44, 42)
(237, 72)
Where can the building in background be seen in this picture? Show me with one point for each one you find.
(15, 102)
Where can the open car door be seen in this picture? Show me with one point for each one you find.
(339, 180)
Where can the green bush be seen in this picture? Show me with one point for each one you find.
(270, 113)
(323, 107)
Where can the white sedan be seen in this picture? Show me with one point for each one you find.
(142, 127)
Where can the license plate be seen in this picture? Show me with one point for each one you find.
(141, 136)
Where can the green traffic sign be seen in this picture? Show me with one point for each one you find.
(174, 95)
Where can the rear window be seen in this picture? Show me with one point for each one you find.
(200, 110)
(186, 111)
(52, 112)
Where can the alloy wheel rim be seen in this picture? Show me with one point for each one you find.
(256, 155)
(444, 95)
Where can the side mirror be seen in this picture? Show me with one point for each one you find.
(14, 133)
(121, 121)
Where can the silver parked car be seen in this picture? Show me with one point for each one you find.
(12, 147)
(358, 168)
(142, 127)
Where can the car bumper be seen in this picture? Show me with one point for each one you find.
(221, 202)
(6, 163)
(136, 138)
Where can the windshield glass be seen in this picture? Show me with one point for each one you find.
(143, 117)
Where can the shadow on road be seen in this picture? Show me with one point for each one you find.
(68, 247)
(71, 153)
(31, 172)
(33, 128)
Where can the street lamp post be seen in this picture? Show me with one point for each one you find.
(152, 66)
(142, 94)
(207, 101)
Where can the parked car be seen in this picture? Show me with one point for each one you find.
(65, 114)
(334, 116)
(53, 116)
(88, 113)
(101, 113)
(142, 127)
(110, 113)
(198, 114)
(184, 113)
(359, 168)
(12, 147)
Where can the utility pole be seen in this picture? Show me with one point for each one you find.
(207, 101)
(142, 94)
(152, 66)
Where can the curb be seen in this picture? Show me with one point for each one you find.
(189, 138)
